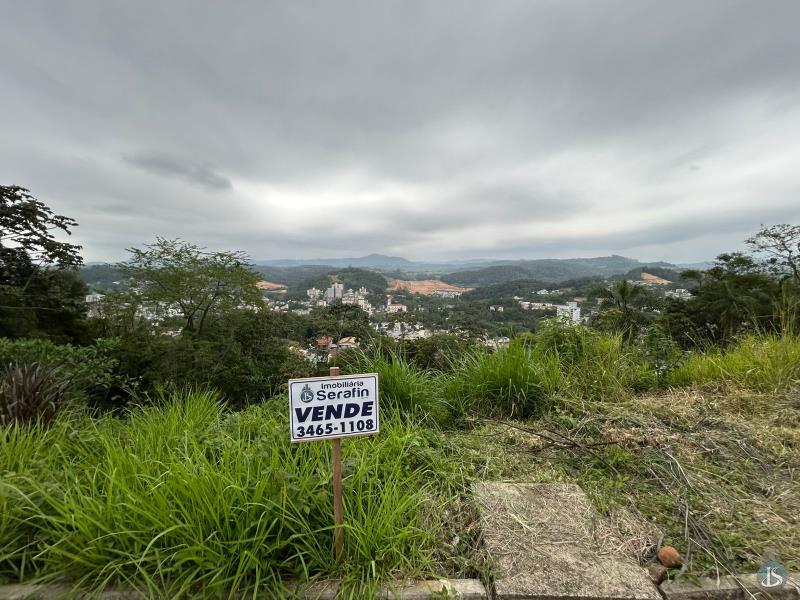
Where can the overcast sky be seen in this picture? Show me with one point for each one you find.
(430, 130)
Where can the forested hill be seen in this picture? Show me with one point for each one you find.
(548, 270)
(293, 276)
(502, 291)
(101, 276)
(551, 270)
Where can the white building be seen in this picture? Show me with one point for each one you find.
(571, 311)
(358, 298)
(335, 292)
(447, 293)
(680, 294)
(392, 307)
(537, 305)
(93, 303)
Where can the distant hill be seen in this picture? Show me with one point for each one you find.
(381, 262)
(506, 290)
(550, 270)
(473, 273)
(292, 276)
(100, 276)
(466, 273)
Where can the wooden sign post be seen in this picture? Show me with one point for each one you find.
(338, 502)
(330, 408)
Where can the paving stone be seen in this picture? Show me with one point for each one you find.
(541, 539)
(742, 587)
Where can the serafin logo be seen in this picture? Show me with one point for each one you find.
(306, 395)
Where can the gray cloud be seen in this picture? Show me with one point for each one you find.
(427, 129)
(169, 166)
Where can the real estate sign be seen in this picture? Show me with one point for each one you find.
(333, 407)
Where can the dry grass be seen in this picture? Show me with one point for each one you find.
(717, 472)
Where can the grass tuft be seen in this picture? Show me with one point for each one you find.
(765, 363)
(517, 381)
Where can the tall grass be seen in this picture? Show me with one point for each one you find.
(405, 389)
(183, 498)
(516, 381)
(763, 363)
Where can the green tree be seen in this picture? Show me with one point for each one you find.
(340, 320)
(780, 246)
(733, 297)
(40, 294)
(198, 283)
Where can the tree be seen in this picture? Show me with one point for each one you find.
(781, 245)
(733, 297)
(27, 226)
(340, 320)
(40, 294)
(174, 274)
(622, 309)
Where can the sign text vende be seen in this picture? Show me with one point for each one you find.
(331, 407)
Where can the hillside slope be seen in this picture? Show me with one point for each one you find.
(548, 270)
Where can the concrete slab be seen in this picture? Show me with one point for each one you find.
(543, 542)
(742, 587)
(59, 592)
(318, 590)
(463, 589)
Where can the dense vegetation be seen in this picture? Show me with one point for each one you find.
(146, 444)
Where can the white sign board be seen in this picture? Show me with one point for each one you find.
(332, 407)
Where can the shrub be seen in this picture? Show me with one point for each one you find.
(241, 354)
(31, 392)
(659, 351)
(89, 369)
(516, 381)
(763, 363)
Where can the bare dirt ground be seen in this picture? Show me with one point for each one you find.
(270, 286)
(426, 287)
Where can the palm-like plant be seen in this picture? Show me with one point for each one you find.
(31, 392)
(626, 298)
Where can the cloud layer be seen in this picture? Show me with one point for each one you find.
(423, 129)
